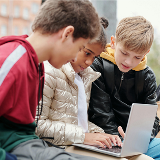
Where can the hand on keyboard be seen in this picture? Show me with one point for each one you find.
(102, 139)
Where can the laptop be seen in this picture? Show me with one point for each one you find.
(138, 132)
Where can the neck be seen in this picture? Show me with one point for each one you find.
(40, 44)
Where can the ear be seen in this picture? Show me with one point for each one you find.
(67, 32)
(112, 42)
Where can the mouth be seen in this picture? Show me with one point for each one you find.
(82, 68)
(125, 67)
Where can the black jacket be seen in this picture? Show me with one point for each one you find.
(114, 92)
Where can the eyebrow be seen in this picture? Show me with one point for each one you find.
(90, 51)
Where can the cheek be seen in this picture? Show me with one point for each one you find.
(137, 62)
(75, 52)
(116, 55)
(75, 48)
(70, 55)
(117, 59)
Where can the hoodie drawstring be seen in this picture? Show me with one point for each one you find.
(39, 91)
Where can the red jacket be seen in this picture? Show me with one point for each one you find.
(19, 85)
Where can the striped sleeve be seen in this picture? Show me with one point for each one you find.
(7, 79)
(10, 61)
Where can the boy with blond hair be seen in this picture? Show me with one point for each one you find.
(125, 77)
(60, 30)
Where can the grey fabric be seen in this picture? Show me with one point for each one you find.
(38, 149)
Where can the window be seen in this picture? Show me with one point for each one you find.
(3, 30)
(3, 10)
(26, 30)
(16, 11)
(16, 30)
(35, 8)
(25, 13)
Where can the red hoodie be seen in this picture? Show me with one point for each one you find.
(19, 84)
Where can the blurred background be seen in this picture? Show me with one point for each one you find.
(16, 17)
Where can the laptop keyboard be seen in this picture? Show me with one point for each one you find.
(115, 149)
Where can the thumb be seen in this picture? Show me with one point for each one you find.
(121, 132)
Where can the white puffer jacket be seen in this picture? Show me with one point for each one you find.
(60, 105)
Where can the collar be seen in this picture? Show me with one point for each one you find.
(88, 75)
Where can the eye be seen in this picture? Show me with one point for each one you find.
(123, 53)
(138, 58)
(87, 53)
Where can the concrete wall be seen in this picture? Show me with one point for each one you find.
(107, 9)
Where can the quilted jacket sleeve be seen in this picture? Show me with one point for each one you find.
(63, 133)
(94, 128)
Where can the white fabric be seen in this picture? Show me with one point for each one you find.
(82, 105)
(10, 61)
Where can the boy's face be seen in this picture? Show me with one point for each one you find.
(86, 56)
(66, 51)
(125, 59)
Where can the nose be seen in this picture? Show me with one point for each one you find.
(89, 61)
(128, 61)
(74, 60)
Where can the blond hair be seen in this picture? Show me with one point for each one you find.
(55, 15)
(135, 33)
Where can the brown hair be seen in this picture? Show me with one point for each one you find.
(135, 33)
(55, 15)
(102, 37)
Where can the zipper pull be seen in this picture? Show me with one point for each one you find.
(122, 77)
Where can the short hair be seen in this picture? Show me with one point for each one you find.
(102, 36)
(136, 34)
(55, 15)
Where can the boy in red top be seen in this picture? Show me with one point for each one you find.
(60, 30)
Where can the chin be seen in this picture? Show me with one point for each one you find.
(56, 66)
(76, 71)
(123, 70)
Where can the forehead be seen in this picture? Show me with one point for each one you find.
(95, 48)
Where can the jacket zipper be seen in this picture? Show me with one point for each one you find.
(122, 77)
